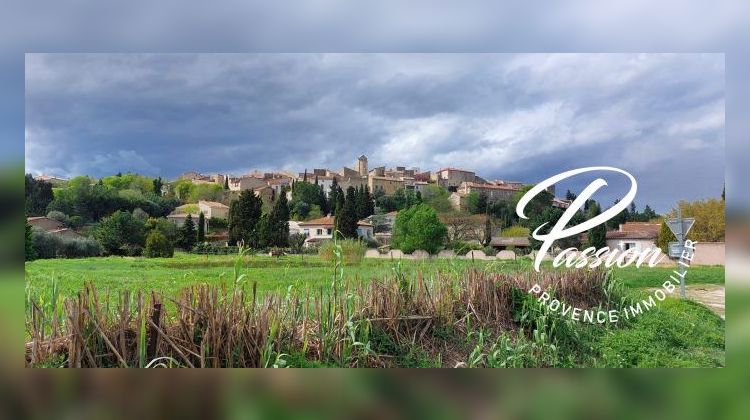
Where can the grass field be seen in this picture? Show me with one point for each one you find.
(677, 333)
(169, 275)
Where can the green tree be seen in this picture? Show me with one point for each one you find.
(487, 238)
(340, 198)
(710, 220)
(418, 227)
(620, 218)
(301, 210)
(165, 227)
(188, 234)
(322, 201)
(333, 196)
(274, 227)
(665, 236)
(201, 228)
(437, 198)
(158, 246)
(30, 252)
(370, 202)
(158, 184)
(597, 236)
(244, 214)
(226, 182)
(536, 206)
(360, 203)
(305, 192)
(38, 196)
(264, 232)
(482, 203)
(121, 233)
(346, 217)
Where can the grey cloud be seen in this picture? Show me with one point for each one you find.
(519, 117)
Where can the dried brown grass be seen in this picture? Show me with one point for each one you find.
(220, 326)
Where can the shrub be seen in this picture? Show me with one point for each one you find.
(418, 227)
(371, 242)
(157, 245)
(49, 245)
(121, 233)
(213, 249)
(131, 250)
(515, 231)
(165, 227)
(297, 242)
(462, 247)
(352, 250)
(30, 252)
(217, 224)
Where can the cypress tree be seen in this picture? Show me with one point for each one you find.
(332, 199)
(487, 231)
(188, 233)
(347, 219)
(244, 214)
(597, 236)
(322, 201)
(201, 228)
(226, 182)
(30, 251)
(278, 222)
(304, 178)
(157, 185)
(360, 203)
(340, 199)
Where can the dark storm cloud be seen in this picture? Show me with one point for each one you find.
(522, 117)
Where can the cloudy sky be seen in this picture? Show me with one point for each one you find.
(513, 117)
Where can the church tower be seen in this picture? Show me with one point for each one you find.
(362, 165)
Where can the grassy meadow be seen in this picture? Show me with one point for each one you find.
(169, 275)
(382, 313)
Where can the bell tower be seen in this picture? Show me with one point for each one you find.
(362, 165)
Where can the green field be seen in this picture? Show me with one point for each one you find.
(676, 333)
(169, 275)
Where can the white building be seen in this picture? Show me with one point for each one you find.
(634, 235)
(213, 209)
(321, 229)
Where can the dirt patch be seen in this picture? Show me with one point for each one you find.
(710, 295)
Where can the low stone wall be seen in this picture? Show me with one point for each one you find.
(506, 255)
(446, 253)
(709, 253)
(420, 254)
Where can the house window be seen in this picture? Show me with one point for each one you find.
(329, 231)
(319, 232)
(628, 245)
(307, 232)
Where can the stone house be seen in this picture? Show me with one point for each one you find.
(494, 192)
(638, 235)
(51, 226)
(321, 229)
(459, 201)
(385, 184)
(451, 178)
(213, 209)
(246, 183)
(266, 193)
